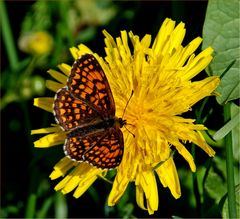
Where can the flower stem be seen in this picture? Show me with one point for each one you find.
(195, 185)
(31, 206)
(8, 98)
(8, 37)
(230, 167)
(196, 189)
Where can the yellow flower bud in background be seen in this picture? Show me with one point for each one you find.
(36, 43)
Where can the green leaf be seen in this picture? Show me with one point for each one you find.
(229, 126)
(214, 188)
(221, 31)
(176, 217)
(31, 206)
(44, 210)
(61, 208)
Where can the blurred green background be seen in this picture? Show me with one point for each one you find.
(26, 190)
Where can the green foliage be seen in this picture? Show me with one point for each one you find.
(221, 31)
(60, 205)
(229, 126)
(225, 211)
(38, 18)
(214, 187)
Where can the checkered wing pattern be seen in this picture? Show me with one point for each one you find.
(103, 150)
(88, 82)
(71, 112)
(86, 110)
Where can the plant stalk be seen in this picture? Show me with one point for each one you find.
(230, 166)
(8, 38)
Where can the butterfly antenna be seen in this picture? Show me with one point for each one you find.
(127, 103)
(129, 131)
(125, 111)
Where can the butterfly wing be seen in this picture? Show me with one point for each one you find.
(87, 101)
(87, 97)
(103, 149)
(88, 82)
(71, 112)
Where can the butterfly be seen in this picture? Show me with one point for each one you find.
(85, 109)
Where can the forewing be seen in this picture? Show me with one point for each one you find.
(70, 112)
(103, 149)
(88, 83)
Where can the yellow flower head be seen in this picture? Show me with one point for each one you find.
(36, 43)
(160, 74)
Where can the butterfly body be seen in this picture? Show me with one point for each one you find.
(98, 127)
(85, 109)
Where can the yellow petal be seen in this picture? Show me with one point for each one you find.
(89, 175)
(199, 63)
(63, 182)
(66, 69)
(74, 52)
(58, 76)
(186, 52)
(44, 103)
(160, 43)
(168, 176)
(70, 180)
(50, 140)
(83, 187)
(146, 183)
(53, 86)
(200, 141)
(74, 181)
(177, 36)
(46, 130)
(81, 177)
(185, 153)
(77, 52)
(62, 167)
(83, 50)
(119, 186)
(140, 197)
(152, 201)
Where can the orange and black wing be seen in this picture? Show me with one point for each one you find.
(70, 112)
(87, 98)
(88, 83)
(103, 149)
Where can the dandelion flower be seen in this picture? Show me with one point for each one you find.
(36, 43)
(160, 74)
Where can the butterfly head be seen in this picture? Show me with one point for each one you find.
(119, 122)
(122, 122)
